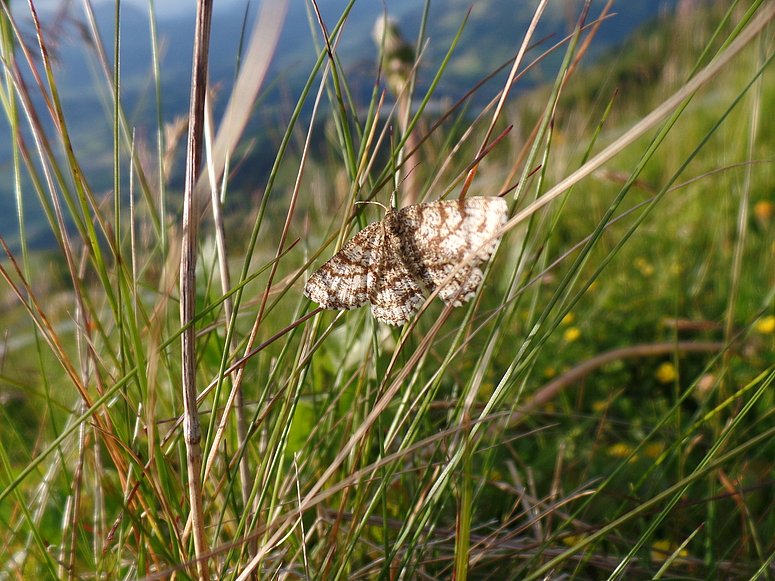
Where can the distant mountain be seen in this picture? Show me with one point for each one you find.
(491, 37)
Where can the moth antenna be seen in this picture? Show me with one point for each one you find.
(394, 195)
(381, 205)
(410, 170)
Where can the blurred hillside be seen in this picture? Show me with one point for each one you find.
(487, 42)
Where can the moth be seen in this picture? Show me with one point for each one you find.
(392, 264)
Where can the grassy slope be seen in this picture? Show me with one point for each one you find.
(440, 455)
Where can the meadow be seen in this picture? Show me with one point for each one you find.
(173, 406)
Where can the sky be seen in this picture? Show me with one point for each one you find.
(164, 8)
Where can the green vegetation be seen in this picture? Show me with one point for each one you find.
(601, 410)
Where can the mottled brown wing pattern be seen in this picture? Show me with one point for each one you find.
(343, 282)
(392, 263)
(395, 295)
(437, 236)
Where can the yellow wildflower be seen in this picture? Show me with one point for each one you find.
(763, 211)
(644, 266)
(666, 373)
(766, 325)
(654, 450)
(571, 540)
(571, 334)
(620, 450)
(661, 550)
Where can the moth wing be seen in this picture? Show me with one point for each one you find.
(437, 236)
(396, 295)
(343, 282)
